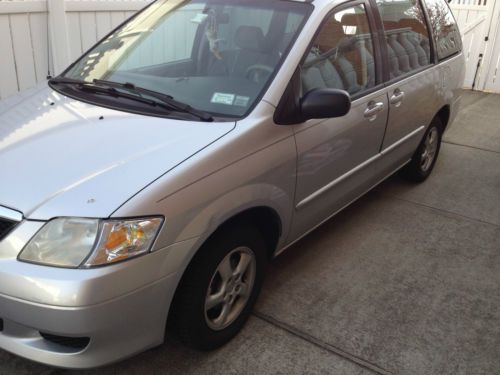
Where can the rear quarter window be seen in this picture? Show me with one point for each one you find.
(444, 28)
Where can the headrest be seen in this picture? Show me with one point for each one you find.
(359, 20)
(249, 38)
(330, 34)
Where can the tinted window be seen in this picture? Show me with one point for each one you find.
(406, 35)
(444, 27)
(342, 54)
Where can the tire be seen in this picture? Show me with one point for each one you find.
(422, 163)
(200, 326)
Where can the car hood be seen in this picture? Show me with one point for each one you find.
(62, 157)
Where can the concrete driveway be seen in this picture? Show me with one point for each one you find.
(406, 281)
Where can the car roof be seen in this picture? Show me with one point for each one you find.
(319, 3)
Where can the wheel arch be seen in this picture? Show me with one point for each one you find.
(264, 218)
(444, 115)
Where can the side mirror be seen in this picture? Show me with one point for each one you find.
(325, 103)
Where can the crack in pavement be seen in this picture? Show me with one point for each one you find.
(335, 349)
(481, 96)
(321, 344)
(390, 196)
(469, 146)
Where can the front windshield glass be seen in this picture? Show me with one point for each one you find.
(217, 55)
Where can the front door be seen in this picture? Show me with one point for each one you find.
(334, 155)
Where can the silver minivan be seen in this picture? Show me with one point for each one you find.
(150, 183)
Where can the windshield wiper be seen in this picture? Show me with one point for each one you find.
(109, 87)
(88, 86)
(166, 99)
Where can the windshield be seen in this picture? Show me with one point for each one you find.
(217, 56)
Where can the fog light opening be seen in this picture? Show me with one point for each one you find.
(70, 342)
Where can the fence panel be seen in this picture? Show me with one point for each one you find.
(27, 51)
(23, 42)
(8, 75)
(473, 18)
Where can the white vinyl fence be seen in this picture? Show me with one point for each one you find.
(479, 22)
(42, 36)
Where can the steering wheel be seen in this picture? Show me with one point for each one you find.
(258, 72)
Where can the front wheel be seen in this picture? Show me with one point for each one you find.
(424, 159)
(220, 287)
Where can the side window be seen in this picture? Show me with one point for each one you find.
(444, 28)
(341, 56)
(406, 35)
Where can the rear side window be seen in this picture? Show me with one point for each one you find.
(406, 35)
(444, 28)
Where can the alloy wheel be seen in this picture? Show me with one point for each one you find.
(430, 149)
(230, 288)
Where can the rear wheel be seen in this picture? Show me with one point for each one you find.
(219, 289)
(424, 159)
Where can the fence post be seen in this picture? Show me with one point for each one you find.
(59, 42)
(489, 64)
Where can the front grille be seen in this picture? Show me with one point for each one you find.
(5, 227)
(71, 342)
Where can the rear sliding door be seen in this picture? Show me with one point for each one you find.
(412, 79)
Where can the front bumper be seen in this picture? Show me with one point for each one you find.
(119, 309)
(116, 329)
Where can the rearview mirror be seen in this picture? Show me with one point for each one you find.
(325, 103)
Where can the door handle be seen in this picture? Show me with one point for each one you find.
(374, 109)
(397, 98)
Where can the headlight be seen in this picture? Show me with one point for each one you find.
(120, 240)
(75, 242)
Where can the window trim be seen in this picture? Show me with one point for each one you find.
(377, 55)
(432, 42)
(436, 56)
